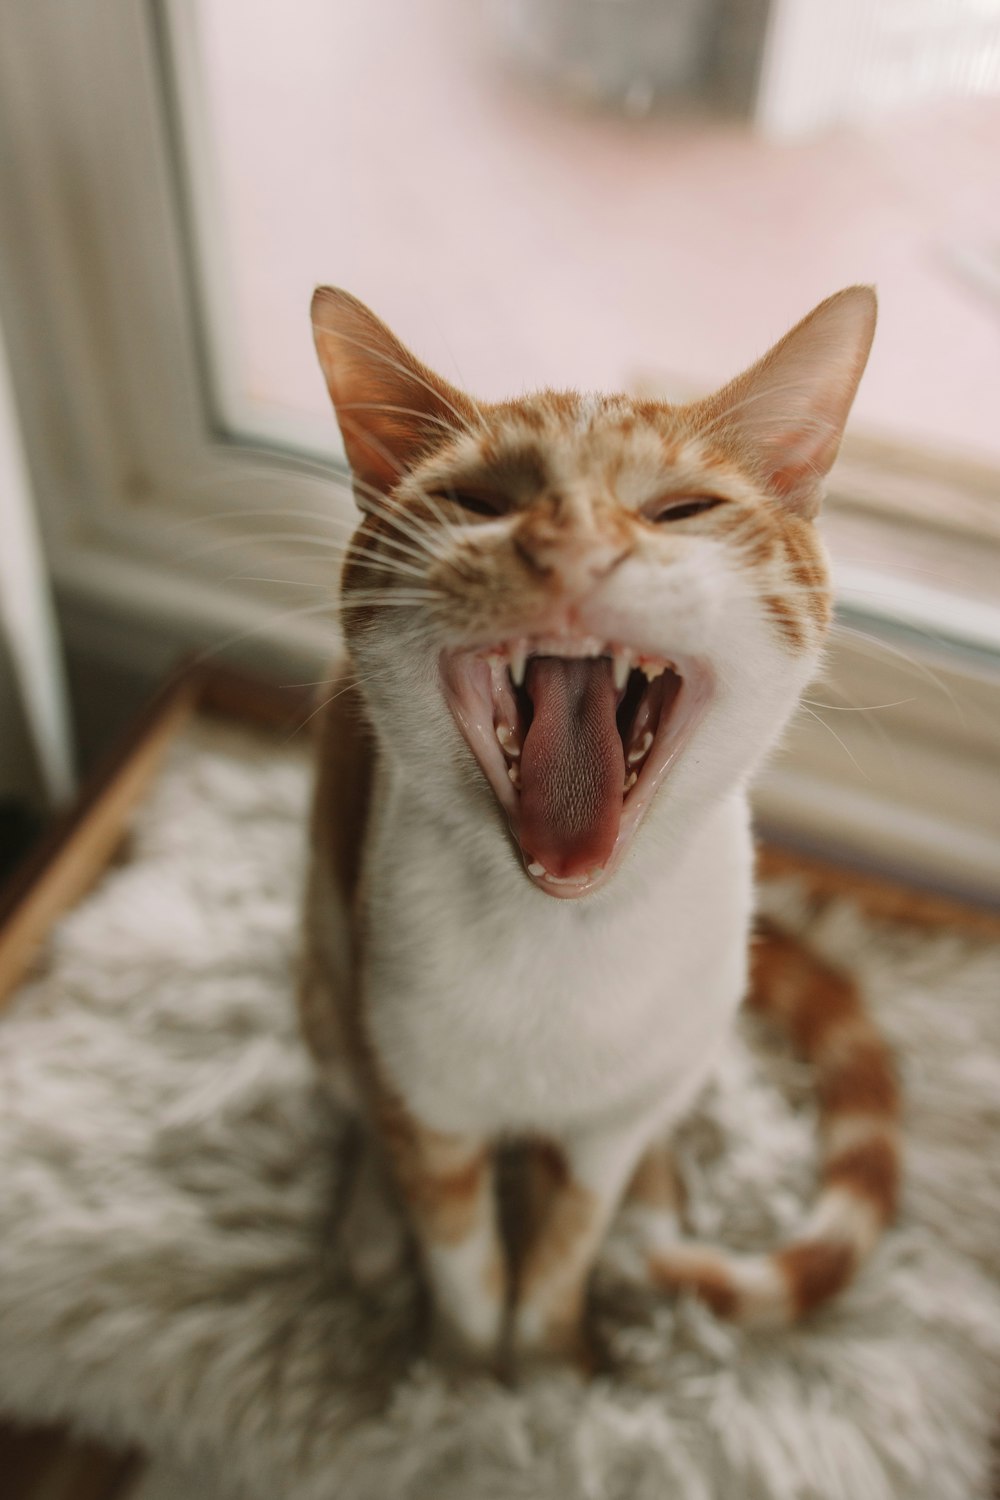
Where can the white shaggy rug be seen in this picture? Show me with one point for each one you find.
(169, 1272)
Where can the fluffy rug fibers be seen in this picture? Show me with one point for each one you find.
(169, 1180)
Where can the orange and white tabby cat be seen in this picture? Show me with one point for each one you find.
(576, 624)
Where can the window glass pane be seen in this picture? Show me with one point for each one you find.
(516, 235)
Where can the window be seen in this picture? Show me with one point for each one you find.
(180, 174)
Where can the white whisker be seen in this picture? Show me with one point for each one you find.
(919, 667)
(399, 411)
(296, 583)
(846, 749)
(282, 616)
(408, 373)
(858, 708)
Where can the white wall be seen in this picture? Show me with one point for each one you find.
(35, 751)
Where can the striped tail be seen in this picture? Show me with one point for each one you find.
(822, 1013)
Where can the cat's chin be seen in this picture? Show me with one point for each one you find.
(575, 737)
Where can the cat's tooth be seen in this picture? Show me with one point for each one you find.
(508, 741)
(651, 671)
(536, 869)
(515, 775)
(640, 749)
(621, 666)
(518, 661)
(630, 780)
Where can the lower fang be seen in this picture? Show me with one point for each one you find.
(508, 741)
(514, 775)
(535, 868)
(630, 780)
(639, 749)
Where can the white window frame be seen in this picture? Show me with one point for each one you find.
(128, 438)
(124, 435)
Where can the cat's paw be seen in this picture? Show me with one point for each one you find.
(455, 1351)
(638, 1235)
(622, 1263)
(539, 1341)
(573, 1351)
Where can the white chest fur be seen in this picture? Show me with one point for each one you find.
(495, 1009)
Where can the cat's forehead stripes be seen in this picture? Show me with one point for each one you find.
(557, 470)
(553, 473)
(562, 442)
(518, 470)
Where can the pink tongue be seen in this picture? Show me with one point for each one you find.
(572, 765)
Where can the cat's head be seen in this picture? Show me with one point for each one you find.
(603, 609)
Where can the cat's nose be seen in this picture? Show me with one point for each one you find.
(572, 548)
(575, 565)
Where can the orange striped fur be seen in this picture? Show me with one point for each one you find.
(823, 1015)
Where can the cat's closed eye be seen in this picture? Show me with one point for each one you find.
(681, 510)
(476, 502)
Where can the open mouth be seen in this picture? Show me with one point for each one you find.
(574, 737)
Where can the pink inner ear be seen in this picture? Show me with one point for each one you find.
(788, 411)
(379, 450)
(793, 464)
(390, 407)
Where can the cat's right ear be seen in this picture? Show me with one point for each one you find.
(785, 415)
(391, 409)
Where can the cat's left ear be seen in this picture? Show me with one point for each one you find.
(391, 408)
(785, 416)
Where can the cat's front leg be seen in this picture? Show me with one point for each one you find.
(548, 1318)
(447, 1185)
(649, 1221)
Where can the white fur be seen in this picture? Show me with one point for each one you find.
(457, 1272)
(495, 1009)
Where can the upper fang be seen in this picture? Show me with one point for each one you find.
(518, 660)
(620, 667)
